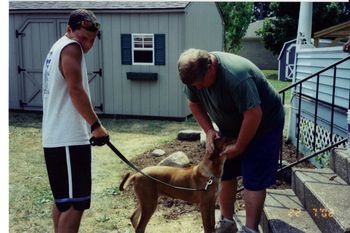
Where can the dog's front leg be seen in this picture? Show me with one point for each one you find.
(207, 209)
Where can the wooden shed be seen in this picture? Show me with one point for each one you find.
(286, 61)
(133, 64)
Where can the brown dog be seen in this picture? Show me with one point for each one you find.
(147, 190)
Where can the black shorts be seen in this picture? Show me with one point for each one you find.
(69, 172)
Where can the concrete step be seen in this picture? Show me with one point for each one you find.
(340, 163)
(283, 212)
(325, 196)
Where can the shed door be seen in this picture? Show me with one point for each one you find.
(35, 39)
(290, 60)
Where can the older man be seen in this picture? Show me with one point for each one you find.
(231, 91)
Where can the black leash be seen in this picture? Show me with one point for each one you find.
(105, 140)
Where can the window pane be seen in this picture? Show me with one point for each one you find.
(143, 56)
(148, 44)
(148, 41)
(138, 44)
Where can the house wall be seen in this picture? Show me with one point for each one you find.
(308, 62)
(254, 50)
(122, 96)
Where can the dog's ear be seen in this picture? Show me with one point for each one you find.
(218, 148)
(220, 145)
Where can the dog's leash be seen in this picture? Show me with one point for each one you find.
(105, 140)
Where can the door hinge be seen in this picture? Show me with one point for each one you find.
(19, 69)
(99, 107)
(99, 72)
(22, 104)
(19, 34)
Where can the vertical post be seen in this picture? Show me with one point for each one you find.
(304, 24)
(333, 100)
(299, 118)
(316, 108)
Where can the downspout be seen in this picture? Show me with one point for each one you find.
(303, 41)
(304, 25)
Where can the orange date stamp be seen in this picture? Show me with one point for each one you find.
(316, 212)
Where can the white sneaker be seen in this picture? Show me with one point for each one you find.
(225, 225)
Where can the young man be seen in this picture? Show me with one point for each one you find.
(233, 92)
(68, 120)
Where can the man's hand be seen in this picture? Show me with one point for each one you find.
(99, 136)
(99, 132)
(211, 136)
(231, 151)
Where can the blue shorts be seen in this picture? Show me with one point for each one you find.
(258, 163)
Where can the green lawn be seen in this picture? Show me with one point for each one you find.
(30, 195)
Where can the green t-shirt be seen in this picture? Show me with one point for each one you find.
(239, 86)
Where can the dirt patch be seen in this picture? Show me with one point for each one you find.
(171, 209)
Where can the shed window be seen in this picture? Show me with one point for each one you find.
(143, 49)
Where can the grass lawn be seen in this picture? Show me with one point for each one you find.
(29, 193)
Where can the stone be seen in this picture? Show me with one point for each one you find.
(188, 135)
(176, 159)
(158, 152)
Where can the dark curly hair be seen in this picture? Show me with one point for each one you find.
(81, 16)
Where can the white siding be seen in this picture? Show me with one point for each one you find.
(308, 62)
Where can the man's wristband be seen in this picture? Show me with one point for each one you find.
(95, 125)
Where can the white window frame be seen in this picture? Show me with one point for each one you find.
(142, 49)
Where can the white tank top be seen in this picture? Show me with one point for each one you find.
(62, 123)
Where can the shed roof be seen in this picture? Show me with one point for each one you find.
(252, 28)
(287, 43)
(101, 5)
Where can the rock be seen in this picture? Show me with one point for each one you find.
(176, 159)
(158, 152)
(188, 135)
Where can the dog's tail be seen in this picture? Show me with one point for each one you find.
(125, 182)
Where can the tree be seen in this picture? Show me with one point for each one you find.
(281, 27)
(284, 25)
(261, 10)
(237, 16)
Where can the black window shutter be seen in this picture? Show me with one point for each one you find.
(159, 42)
(126, 49)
